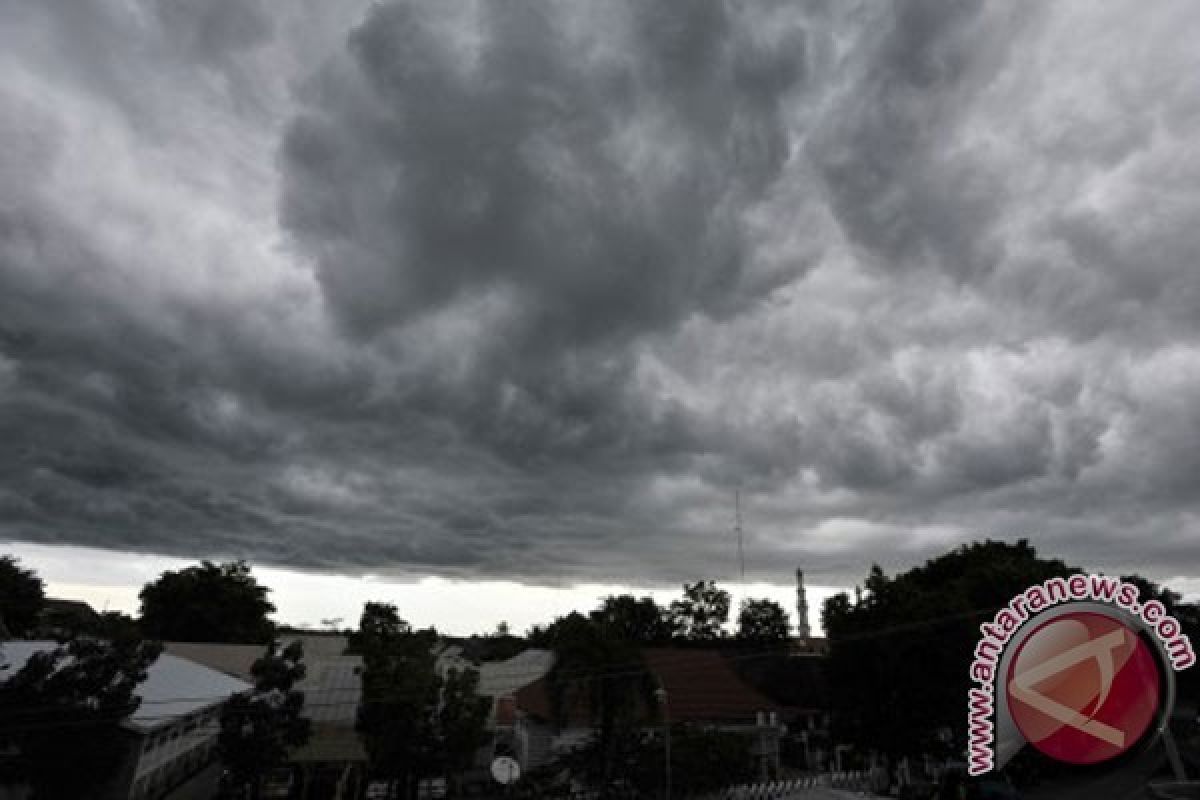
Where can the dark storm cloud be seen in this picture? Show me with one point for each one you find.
(893, 184)
(526, 290)
(594, 185)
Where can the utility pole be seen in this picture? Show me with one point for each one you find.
(664, 700)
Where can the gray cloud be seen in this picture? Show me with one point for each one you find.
(526, 290)
(590, 189)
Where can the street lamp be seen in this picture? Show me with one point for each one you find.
(660, 694)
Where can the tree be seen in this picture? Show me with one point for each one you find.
(414, 724)
(259, 727)
(21, 597)
(116, 625)
(461, 720)
(379, 625)
(63, 710)
(601, 675)
(395, 717)
(207, 603)
(632, 619)
(896, 669)
(702, 612)
(763, 621)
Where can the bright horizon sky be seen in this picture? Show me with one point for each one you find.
(111, 581)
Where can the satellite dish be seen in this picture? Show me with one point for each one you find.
(506, 770)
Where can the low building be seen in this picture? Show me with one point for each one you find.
(172, 736)
(235, 660)
(701, 688)
(501, 682)
(333, 763)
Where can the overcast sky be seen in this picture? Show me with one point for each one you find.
(523, 292)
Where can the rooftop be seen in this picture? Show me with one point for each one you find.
(702, 686)
(232, 659)
(174, 687)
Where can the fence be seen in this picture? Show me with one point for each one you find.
(857, 781)
(779, 790)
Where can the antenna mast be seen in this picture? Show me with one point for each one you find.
(737, 528)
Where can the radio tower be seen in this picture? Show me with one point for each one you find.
(737, 528)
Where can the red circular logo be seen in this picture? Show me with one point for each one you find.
(1083, 688)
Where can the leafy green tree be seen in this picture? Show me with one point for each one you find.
(208, 603)
(899, 653)
(258, 728)
(461, 720)
(701, 613)
(763, 621)
(633, 619)
(116, 625)
(398, 714)
(379, 626)
(62, 712)
(601, 675)
(21, 597)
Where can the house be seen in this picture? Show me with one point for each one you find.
(499, 682)
(333, 763)
(701, 688)
(172, 736)
(798, 683)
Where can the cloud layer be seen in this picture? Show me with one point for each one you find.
(526, 290)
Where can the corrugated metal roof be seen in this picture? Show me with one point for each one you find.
(174, 686)
(499, 678)
(232, 659)
(332, 687)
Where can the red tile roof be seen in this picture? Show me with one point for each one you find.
(701, 685)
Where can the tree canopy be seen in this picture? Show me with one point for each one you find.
(702, 612)
(21, 597)
(415, 723)
(633, 619)
(898, 657)
(762, 622)
(208, 603)
(379, 625)
(600, 674)
(63, 710)
(259, 727)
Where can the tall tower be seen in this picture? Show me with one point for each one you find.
(737, 529)
(802, 629)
